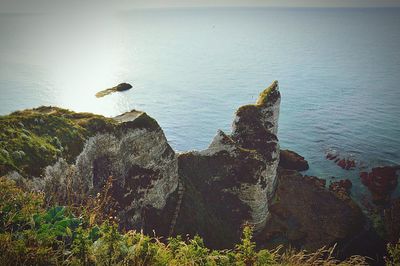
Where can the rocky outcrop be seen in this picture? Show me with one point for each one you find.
(212, 193)
(119, 87)
(140, 160)
(307, 215)
(344, 163)
(136, 154)
(381, 182)
(292, 161)
(235, 176)
(123, 87)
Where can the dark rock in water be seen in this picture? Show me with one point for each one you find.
(331, 156)
(344, 163)
(123, 87)
(120, 87)
(341, 188)
(306, 206)
(381, 182)
(292, 161)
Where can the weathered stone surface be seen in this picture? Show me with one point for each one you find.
(231, 182)
(235, 176)
(136, 154)
(292, 161)
(317, 216)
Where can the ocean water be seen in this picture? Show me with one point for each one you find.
(339, 73)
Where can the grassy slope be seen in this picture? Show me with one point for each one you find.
(32, 139)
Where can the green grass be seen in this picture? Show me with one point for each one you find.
(30, 140)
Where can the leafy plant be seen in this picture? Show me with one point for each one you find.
(393, 258)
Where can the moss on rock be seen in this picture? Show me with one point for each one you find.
(32, 139)
(268, 94)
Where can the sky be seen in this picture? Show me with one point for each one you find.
(53, 5)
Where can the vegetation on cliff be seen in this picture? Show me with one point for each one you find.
(32, 234)
(71, 223)
(30, 140)
(268, 94)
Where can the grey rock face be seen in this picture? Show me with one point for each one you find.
(138, 157)
(255, 128)
(239, 171)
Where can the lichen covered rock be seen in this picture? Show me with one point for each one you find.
(231, 182)
(140, 160)
(235, 176)
(60, 151)
(136, 154)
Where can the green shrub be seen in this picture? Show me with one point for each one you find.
(33, 235)
(393, 258)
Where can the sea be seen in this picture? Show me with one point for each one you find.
(191, 68)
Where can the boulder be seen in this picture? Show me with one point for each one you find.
(123, 87)
(292, 161)
(381, 182)
(304, 205)
(119, 87)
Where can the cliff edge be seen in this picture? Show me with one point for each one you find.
(237, 180)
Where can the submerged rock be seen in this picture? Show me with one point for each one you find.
(292, 161)
(344, 163)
